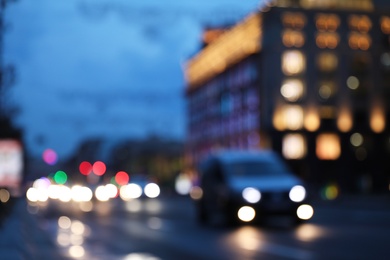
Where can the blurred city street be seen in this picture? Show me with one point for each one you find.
(350, 227)
(159, 130)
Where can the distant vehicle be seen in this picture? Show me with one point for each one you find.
(246, 186)
(141, 186)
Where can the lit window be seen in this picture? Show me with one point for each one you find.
(327, 112)
(377, 119)
(292, 89)
(293, 20)
(327, 61)
(365, 5)
(328, 146)
(385, 24)
(327, 40)
(361, 23)
(327, 22)
(293, 117)
(312, 120)
(293, 38)
(294, 146)
(344, 120)
(356, 139)
(326, 90)
(293, 62)
(288, 117)
(359, 41)
(353, 82)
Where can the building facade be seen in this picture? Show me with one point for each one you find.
(308, 79)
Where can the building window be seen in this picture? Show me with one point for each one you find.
(293, 116)
(360, 23)
(377, 119)
(292, 89)
(365, 5)
(288, 117)
(327, 22)
(294, 146)
(327, 40)
(293, 38)
(293, 20)
(327, 112)
(353, 82)
(326, 90)
(385, 24)
(293, 63)
(359, 41)
(344, 119)
(312, 119)
(327, 61)
(356, 139)
(328, 146)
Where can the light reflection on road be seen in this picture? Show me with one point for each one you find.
(309, 232)
(149, 205)
(252, 240)
(71, 236)
(77, 238)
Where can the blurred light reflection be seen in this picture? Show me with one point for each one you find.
(140, 256)
(155, 223)
(64, 222)
(76, 251)
(86, 206)
(76, 239)
(309, 232)
(246, 238)
(153, 206)
(77, 227)
(63, 239)
(133, 206)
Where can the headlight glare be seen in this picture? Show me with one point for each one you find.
(297, 193)
(251, 195)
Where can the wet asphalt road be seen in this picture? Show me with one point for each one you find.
(166, 228)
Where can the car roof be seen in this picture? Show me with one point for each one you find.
(231, 156)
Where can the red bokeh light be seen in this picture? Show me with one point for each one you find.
(122, 178)
(99, 168)
(85, 168)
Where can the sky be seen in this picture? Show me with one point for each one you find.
(105, 68)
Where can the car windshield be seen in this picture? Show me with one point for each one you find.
(255, 168)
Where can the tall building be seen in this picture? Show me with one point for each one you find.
(308, 79)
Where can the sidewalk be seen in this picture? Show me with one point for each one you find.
(22, 238)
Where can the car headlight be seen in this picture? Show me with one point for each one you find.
(152, 190)
(297, 193)
(246, 213)
(251, 195)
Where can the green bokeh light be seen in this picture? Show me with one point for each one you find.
(60, 177)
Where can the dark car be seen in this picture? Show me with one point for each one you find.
(246, 186)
